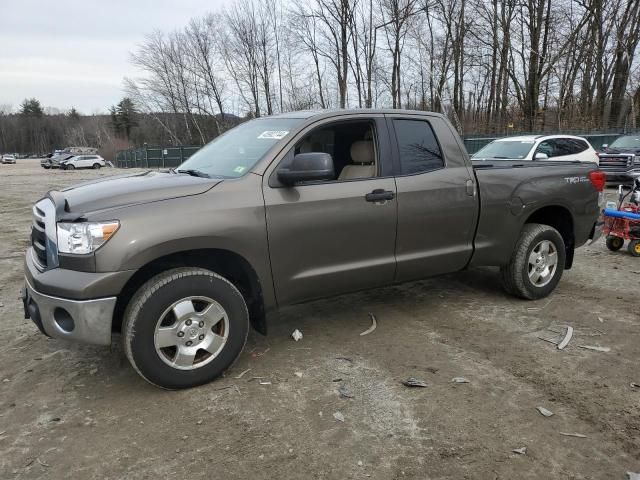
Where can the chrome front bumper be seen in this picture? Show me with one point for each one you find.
(87, 321)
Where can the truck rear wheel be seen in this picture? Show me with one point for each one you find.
(536, 264)
(184, 328)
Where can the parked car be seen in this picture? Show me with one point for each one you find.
(53, 161)
(621, 160)
(285, 209)
(8, 158)
(539, 147)
(83, 161)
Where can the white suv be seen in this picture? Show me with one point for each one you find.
(539, 147)
(83, 161)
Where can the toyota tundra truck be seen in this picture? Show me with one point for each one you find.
(285, 209)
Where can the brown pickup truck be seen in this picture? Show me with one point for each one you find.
(286, 209)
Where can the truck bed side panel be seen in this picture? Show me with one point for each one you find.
(510, 192)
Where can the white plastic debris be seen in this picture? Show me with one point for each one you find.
(296, 335)
(460, 380)
(267, 382)
(298, 374)
(520, 451)
(243, 373)
(544, 411)
(634, 385)
(373, 326)
(633, 476)
(600, 319)
(595, 348)
(566, 339)
(338, 416)
(577, 435)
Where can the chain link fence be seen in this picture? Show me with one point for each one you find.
(154, 157)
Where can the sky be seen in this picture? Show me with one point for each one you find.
(72, 53)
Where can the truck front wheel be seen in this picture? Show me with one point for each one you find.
(185, 327)
(536, 264)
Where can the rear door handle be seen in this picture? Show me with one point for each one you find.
(379, 195)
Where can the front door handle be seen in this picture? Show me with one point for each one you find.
(379, 195)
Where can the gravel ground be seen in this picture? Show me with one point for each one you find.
(78, 411)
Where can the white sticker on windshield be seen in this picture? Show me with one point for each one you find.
(239, 169)
(527, 141)
(273, 134)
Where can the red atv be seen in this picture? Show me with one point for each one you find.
(623, 222)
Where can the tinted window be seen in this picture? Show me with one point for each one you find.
(505, 150)
(418, 147)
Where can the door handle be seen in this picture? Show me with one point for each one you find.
(379, 195)
(471, 188)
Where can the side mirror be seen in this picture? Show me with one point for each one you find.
(308, 167)
(541, 156)
(605, 145)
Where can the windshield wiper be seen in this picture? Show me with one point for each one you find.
(195, 173)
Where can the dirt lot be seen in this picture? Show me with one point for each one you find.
(77, 411)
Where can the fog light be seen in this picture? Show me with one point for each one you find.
(64, 320)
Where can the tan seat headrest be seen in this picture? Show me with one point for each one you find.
(362, 152)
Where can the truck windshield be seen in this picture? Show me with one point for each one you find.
(235, 152)
(629, 141)
(505, 149)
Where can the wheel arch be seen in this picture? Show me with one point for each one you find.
(226, 263)
(560, 218)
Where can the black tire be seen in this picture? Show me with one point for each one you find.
(146, 308)
(614, 243)
(634, 248)
(515, 275)
(69, 167)
(96, 166)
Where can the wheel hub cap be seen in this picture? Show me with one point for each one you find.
(543, 263)
(191, 332)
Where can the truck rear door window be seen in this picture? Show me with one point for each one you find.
(417, 147)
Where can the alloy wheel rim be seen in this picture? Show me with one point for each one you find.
(543, 263)
(191, 332)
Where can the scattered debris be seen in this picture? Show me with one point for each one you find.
(55, 419)
(1, 304)
(577, 435)
(345, 392)
(336, 380)
(548, 340)
(93, 371)
(600, 319)
(338, 416)
(596, 348)
(296, 335)
(346, 359)
(243, 373)
(298, 374)
(634, 385)
(460, 380)
(566, 339)
(544, 411)
(520, 451)
(199, 422)
(414, 382)
(262, 353)
(432, 370)
(360, 463)
(633, 476)
(266, 382)
(261, 457)
(373, 326)
(42, 463)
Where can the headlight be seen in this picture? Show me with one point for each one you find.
(84, 237)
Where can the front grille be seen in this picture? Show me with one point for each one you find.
(39, 237)
(614, 164)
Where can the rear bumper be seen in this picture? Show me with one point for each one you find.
(622, 177)
(87, 321)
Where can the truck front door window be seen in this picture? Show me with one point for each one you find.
(417, 146)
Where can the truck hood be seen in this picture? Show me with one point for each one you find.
(635, 151)
(130, 189)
